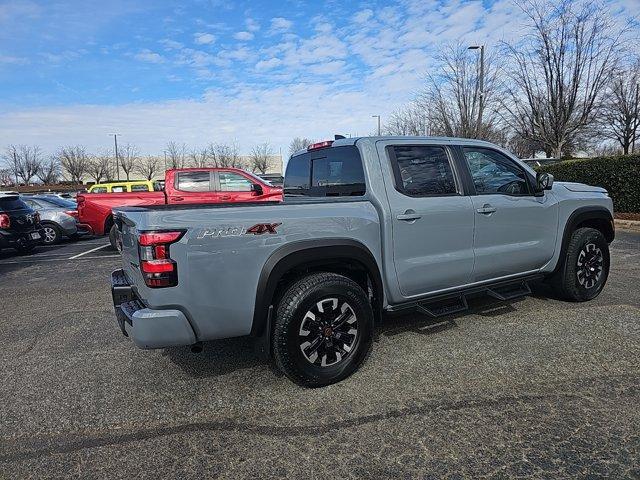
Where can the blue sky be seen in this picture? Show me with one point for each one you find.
(213, 71)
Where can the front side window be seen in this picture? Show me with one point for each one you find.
(422, 170)
(139, 188)
(329, 172)
(193, 182)
(118, 189)
(494, 173)
(99, 190)
(233, 182)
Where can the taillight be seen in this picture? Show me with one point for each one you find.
(5, 221)
(73, 213)
(158, 270)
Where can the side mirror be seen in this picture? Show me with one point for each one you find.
(544, 181)
(257, 188)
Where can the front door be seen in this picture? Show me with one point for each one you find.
(515, 230)
(432, 220)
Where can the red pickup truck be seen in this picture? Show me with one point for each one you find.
(182, 186)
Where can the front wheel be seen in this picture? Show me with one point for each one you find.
(323, 329)
(586, 266)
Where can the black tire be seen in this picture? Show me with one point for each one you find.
(112, 237)
(52, 234)
(340, 351)
(585, 268)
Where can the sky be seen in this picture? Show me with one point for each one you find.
(73, 72)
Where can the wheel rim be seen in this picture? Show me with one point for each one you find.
(49, 235)
(328, 332)
(590, 265)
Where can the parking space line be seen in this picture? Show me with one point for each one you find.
(89, 251)
(34, 261)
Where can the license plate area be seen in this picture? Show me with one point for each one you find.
(34, 236)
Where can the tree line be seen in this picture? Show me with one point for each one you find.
(26, 164)
(569, 83)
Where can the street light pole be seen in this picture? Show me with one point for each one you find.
(115, 141)
(481, 86)
(378, 117)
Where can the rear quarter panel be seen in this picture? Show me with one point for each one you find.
(219, 266)
(95, 208)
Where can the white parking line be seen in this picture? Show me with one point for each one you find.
(26, 261)
(89, 251)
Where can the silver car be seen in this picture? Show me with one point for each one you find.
(59, 217)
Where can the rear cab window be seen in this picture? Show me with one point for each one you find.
(198, 181)
(327, 172)
(140, 188)
(118, 188)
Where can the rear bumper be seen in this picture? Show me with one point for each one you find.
(12, 239)
(148, 328)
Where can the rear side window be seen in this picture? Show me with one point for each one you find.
(139, 188)
(233, 182)
(99, 190)
(118, 188)
(193, 181)
(8, 204)
(330, 172)
(422, 170)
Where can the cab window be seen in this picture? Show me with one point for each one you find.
(193, 181)
(118, 188)
(139, 188)
(495, 173)
(233, 182)
(422, 170)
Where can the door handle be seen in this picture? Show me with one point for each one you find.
(486, 209)
(225, 197)
(178, 199)
(409, 216)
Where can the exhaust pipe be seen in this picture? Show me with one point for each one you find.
(196, 347)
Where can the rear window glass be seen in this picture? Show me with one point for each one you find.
(99, 190)
(194, 182)
(118, 188)
(139, 188)
(422, 170)
(329, 172)
(8, 204)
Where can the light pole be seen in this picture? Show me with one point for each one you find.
(115, 141)
(378, 117)
(481, 82)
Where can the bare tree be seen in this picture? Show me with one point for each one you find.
(128, 158)
(560, 70)
(259, 158)
(101, 167)
(622, 108)
(298, 144)
(49, 171)
(199, 157)
(74, 161)
(148, 167)
(408, 120)
(225, 155)
(176, 155)
(24, 161)
(6, 177)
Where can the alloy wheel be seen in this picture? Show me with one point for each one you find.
(328, 332)
(49, 234)
(590, 265)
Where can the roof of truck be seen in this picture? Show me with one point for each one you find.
(446, 140)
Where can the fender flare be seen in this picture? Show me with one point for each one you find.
(308, 252)
(577, 217)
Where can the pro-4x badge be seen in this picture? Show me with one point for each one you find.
(260, 228)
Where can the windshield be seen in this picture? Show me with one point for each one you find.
(259, 179)
(11, 203)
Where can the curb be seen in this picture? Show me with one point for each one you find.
(631, 225)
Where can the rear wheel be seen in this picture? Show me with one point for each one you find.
(113, 237)
(323, 329)
(52, 234)
(586, 266)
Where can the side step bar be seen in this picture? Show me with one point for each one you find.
(454, 302)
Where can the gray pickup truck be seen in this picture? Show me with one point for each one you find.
(368, 226)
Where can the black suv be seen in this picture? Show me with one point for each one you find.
(19, 224)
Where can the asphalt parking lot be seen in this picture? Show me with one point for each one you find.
(536, 387)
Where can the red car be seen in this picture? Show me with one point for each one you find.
(182, 186)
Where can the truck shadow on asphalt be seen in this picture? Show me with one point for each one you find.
(222, 357)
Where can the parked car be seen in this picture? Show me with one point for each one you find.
(125, 186)
(20, 227)
(182, 186)
(58, 217)
(369, 226)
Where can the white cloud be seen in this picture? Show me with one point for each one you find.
(204, 38)
(243, 36)
(279, 24)
(363, 16)
(171, 44)
(149, 56)
(252, 25)
(263, 65)
(11, 60)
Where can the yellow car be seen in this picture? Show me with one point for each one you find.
(121, 187)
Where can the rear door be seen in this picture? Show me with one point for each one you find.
(234, 187)
(193, 186)
(432, 219)
(515, 229)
